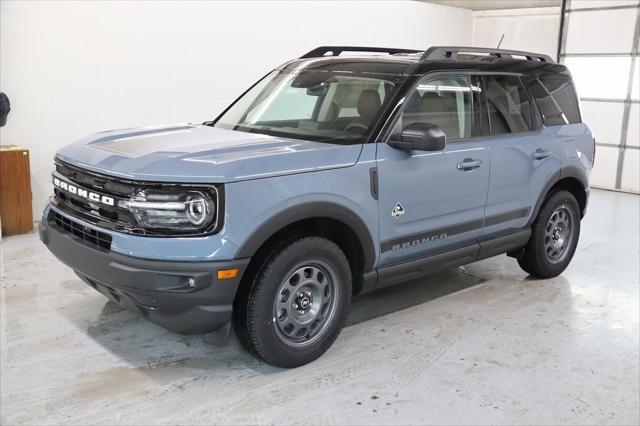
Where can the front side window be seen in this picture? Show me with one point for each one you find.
(444, 101)
(318, 105)
(508, 105)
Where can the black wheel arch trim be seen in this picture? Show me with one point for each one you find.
(312, 210)
(565, 172)
(576, 173)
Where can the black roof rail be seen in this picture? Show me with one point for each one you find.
(440, 53)
(337, 50)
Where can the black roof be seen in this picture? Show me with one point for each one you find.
(375, 60)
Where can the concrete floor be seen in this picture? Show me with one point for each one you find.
(483, 344)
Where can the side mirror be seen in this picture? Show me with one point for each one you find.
(420, 137)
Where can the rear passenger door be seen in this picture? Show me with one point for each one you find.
(433, 201)
(524, 155)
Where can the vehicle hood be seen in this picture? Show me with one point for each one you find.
(198, 153)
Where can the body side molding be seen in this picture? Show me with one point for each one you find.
(474, 251)
(411, 240)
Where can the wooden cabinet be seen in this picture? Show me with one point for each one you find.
(15, 190)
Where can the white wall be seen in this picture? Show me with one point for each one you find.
(532, 29)
(73, 68)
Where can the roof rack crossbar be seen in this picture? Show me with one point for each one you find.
(337, 50)
(440, 53)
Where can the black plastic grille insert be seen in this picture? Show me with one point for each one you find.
(85, 233)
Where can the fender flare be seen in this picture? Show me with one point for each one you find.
(308, 211)
(565, 172)
(576, 173)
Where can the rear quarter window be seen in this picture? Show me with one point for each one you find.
(556, 99)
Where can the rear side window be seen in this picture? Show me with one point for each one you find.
(556, 101)
(508, 105)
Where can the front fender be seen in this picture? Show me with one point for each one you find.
(307, 210)
(257, 209)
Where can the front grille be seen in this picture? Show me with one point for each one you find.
(109, 186)
(82, 232)
(86, 201)
(102, 184)
(109, 213)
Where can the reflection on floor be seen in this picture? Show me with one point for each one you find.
(479, 344)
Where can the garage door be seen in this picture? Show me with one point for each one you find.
(599, 43)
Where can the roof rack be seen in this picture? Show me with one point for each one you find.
(439, 53)
(337, 50)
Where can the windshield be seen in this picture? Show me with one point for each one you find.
(325, 106)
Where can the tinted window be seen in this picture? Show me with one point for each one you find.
(556, 101)
(508, 104)
(443, 101)
(549, 109)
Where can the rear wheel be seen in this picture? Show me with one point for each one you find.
(297, 303)
(554, 236)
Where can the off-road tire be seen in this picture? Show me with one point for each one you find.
(256, 306)
(536, 258)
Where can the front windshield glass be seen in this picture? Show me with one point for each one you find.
(325, 106)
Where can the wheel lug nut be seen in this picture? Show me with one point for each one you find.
(295, 306)
(308, 293)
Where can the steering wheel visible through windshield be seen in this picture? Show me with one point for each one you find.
(318, 105)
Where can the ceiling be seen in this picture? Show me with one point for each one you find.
(496, 4)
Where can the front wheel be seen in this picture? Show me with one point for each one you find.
(554, 237)
(297, 303)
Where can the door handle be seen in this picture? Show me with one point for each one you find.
(541, 154)
(469, 164)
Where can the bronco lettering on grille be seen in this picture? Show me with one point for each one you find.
(84, 193)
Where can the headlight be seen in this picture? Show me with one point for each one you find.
(181, 211)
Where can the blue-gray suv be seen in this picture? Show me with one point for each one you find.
(334, 175)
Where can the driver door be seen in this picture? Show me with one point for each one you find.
(430, 202)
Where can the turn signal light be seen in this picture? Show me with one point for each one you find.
(227, 274)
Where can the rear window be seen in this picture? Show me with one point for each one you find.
(556, 101)
(508, 104)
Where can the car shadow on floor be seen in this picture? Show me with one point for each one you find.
(156, 351)
(411, 293)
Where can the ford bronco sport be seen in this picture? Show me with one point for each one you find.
(331, 176)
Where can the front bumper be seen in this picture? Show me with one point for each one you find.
(184, 297)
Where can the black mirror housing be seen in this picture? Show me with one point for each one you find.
(421, 137)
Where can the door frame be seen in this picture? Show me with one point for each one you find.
(476, 134)
(537, 127)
